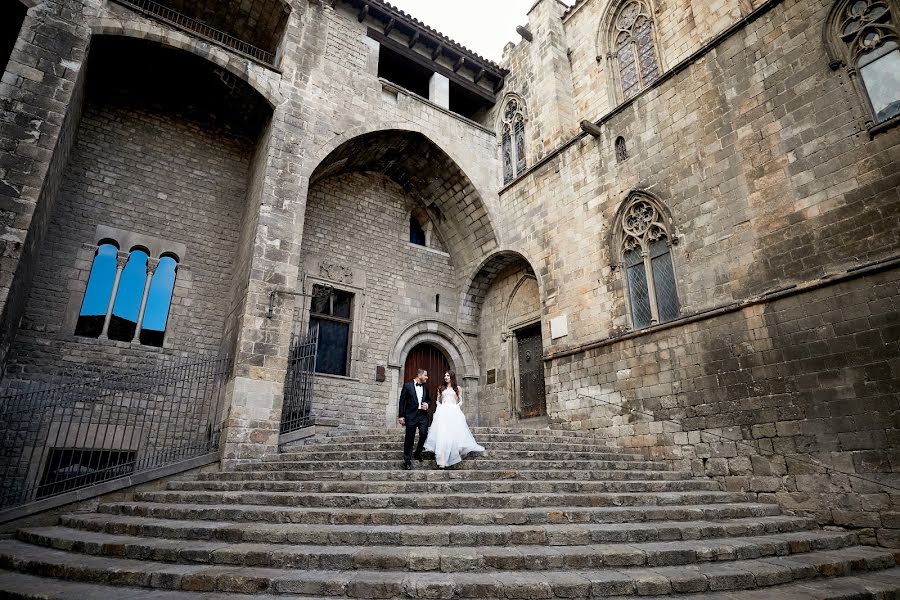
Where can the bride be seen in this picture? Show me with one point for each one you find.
(449, 436)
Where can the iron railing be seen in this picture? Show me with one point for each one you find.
(296, 412)
(66, 437)
(182, 21)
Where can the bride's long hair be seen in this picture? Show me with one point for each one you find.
(452, 384)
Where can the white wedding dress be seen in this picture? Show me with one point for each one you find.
(449, 436)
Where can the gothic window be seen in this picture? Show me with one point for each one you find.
(128, 295)
(634, 47)
(332, 314)
(621, 149)
(863, 36)
(647, 261)
(515, 158)
(95, 305)
(159, 300)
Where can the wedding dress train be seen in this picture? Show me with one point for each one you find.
(449, 436)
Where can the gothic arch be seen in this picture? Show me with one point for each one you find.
(482, 276)
(858, 33)
(512, 133)
(412, 159)
(616, 236)
(606, 48)
(242, 68)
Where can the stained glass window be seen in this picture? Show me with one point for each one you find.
(635, 49)
(513, 143)
(647, 260)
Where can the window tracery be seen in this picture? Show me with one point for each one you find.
(645, 248)
(634, 48)
(863, 36)
(513, 143)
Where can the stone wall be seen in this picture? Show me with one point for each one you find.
(765, 398)
(168, 180)
(360, 223)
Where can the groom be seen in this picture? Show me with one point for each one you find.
(413, 413)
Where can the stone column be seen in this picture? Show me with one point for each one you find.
(152, 263)
(439, 90)
(121, 261)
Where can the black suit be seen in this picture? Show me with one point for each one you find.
(415, 419)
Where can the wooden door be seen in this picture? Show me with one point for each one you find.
(433, 360)
(532, 392)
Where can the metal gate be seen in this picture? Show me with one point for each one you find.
(298, 384)
(532, 392)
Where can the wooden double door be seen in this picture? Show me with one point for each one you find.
(433, 360)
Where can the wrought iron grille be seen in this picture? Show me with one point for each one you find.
(182, 21)
(57, 439)
(298, 384)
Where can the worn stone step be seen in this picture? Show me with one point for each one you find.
(505, 433)
(735, 575)
(447, 487)
(482, 463)
(423, 474)
(875, 585)
(447, 559)
(436, 535)
(396, 454)
(472, 516)
(489, 444)
(445, 501)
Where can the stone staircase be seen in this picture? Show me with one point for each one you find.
(544, 514)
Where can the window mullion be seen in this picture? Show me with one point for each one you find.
(121, 260)
(151, 268)
(651, 287)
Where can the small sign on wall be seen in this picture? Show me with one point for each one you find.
(559, 327)
(380, 374)
(491, 376)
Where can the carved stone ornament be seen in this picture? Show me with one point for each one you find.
(335, 272)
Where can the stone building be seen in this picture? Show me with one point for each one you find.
(672, 222)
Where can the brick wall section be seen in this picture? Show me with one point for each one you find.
(361, 221)
(157, 176)
(811, 377)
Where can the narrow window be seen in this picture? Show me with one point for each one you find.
(647, 260)
(513, 143)
(126, 309)
(863, 36)
(621, 149)
(97, 295)
(159, 300)
(416, 232)
(437, 303)
(635, 48)
(332, 314)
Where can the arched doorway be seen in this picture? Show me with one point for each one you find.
(432, 359)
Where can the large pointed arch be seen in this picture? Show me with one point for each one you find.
(478, 282)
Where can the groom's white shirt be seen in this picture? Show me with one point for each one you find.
(419, 391)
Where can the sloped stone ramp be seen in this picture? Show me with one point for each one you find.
(545, 514)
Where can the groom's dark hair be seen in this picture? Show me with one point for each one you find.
(420, 370)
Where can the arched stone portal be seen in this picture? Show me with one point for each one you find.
(502, 303)
(356, 238)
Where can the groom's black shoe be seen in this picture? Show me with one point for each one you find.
(407, 466)
(418, 456)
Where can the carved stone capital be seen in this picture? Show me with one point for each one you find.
(152, 263)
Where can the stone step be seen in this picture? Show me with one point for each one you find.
(482, 463)
(447, 487)
(734, 575)
(448, 559)
(476, 516)
(436, 535)
(420, 473)
(875, 585)
(490, 444)
(506, 433)
(396, 454)
(559, 501)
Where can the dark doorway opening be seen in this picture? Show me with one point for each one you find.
(532, 391)
(10, 26)
(432, 359)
